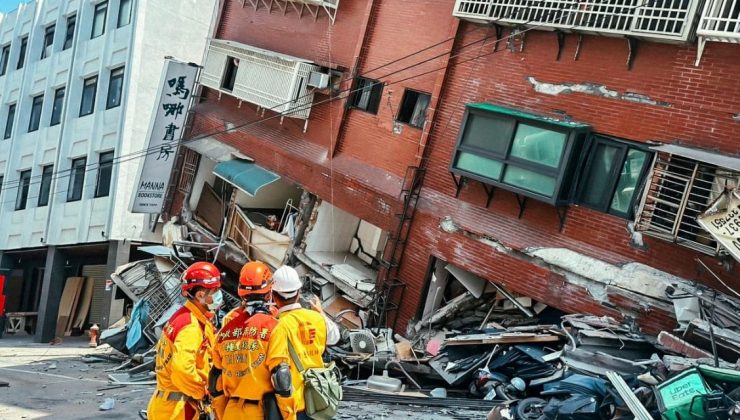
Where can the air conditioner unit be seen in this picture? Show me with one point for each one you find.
(318, 80)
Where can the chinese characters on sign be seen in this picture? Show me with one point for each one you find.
(723, 222)
(165, 131)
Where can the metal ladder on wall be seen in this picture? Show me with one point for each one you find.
(390, 288)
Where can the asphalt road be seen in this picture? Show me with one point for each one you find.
(52, 382)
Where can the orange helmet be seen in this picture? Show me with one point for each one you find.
(255, 278)
(202, 274)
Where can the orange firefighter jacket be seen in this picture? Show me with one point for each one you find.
(183, 357)
(241, 352)
(306, 329)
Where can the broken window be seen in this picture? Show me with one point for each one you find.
(521, 152)
(366, 95)
(614, 170)
(679, 190)
(413, 108)
(232, 66)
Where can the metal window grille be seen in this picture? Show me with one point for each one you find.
(656, 19)
(680, 189)
(267, 79)
(720, 21)
(189, 168)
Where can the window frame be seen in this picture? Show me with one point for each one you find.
(108, 104)
(403, 100)
(121, 4)
(623, 146)
(4, 59)
(9, 120)
(94, 95)
(48, 37)
(103, 5)
(34, 125)
(73, 173)
(373, 105)
(563, 174)
(60, 98)
(24, 187)
(108, 165)
(22, 53)
(47, 172)
(69, 37)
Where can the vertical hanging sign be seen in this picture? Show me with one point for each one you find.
(165, 131)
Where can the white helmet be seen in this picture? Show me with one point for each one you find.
(286, 282)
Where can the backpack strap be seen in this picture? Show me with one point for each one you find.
(294, 356)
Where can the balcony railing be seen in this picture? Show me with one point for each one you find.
(311, 7)
(720, 22)
(658, 20)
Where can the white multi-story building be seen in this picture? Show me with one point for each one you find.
(78, 81)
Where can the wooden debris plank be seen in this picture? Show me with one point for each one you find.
(66, 303)
(83, 305)
(79, 282)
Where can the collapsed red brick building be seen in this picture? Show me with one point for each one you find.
(560, 152)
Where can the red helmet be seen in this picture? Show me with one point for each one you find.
(255, 278)
(202, 274)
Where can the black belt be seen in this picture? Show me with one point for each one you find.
(245, 401)
(172, 396)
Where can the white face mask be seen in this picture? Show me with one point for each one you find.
(218, 301)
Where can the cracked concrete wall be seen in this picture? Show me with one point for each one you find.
(595, 89)
(603, 281)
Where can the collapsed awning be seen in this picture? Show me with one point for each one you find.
(211, 148)
(721, 160)
(247, 176)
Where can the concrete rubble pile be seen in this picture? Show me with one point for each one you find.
(522, 360)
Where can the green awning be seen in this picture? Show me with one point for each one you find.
(526, 115)
(247, 176)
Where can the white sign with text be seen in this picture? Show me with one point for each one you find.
(165, 131)
(724, 223)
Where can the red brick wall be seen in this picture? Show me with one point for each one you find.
(400, 29)
(318, 40)
(694, 105)
(697, 108)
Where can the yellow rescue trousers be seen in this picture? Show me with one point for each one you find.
(162, 407)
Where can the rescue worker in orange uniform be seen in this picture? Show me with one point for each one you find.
(183, 357)
(309, 331)
(239, 370)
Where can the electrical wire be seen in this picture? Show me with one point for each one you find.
(148, 151)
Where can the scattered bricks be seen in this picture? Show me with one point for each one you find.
(679, 346)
